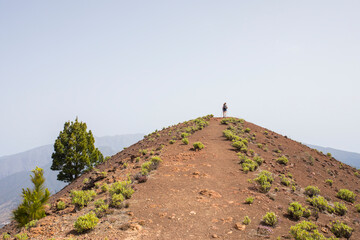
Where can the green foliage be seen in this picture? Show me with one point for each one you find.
(246, 220)
(306, 230)
(172, 141)
(6, 236)
(143, 151)
(185, 141)
(21, 236)
(82, 198)
(357, 206)
(249, 200)
(116, 200)
(74, 151)
(318, 202)
(31, 224)
(105, 187)
(86, 222)
(329, 182)
(296, 211)
(340, 208)
(357, 174)
(146, 167)
(282, 160)
(259, 145)
(330, 209)
(285, 181)
(198, 146)
(249, 165)
(100, 208)
(258, 160)
(230, 135)
(32, 206)
(341, 230)
(328, 154)
(85, 181)
(241, 145)
(124, 188)
(231, 120)
(60, 205)
(184, 135)
(312, 191)
(264, 181)
(247, 130)
(346, 195)
(290, 175)
(270, 219)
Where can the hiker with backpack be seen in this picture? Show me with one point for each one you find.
(224, 108)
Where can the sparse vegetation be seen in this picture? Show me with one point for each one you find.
(198, 146)
(341, 230)
(124, 188)
(246, 220)
(60, 205)
(285, 181)
(340, 208)
(306, 230)
(6, 236)
(282, 160)
(270, 219)
(172, 141)
(105, 187)
(346, 195)
(21, 236)
(264, 181)
(86, 222)
(329, 182)
(247, 130)
(143, 151)
(249, 200)
(312, 191)
(148, 166)
(328, 154)
(258, 160)
(82, 198)
(357, 206)
(185, 141)
(296, 211)
(318, 202)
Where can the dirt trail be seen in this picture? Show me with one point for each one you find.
(193, 195)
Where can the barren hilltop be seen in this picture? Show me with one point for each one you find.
(246, 182)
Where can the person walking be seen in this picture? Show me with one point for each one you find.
(224, 109)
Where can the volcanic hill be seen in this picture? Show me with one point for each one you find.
(183, 193)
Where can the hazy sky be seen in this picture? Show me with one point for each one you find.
(136, 66)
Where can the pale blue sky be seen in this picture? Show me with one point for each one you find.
(136, 66)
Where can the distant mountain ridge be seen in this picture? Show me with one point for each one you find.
(350, 158)
(16, 169)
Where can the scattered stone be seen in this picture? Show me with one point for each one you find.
(210, 193)
(214, 236)
(240, 226)
(192, 213)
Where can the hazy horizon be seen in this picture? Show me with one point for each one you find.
(133, 67)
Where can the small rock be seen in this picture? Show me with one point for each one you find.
(324, 230)
(214, 236)
(192, 213)
(240, 226)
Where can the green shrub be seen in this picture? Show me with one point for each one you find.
(116, 200)
(247, 130)
(172, 141)
(306, 213)
(86, 222)
(312, 191)
(246, 220)
(329, 182)
(357, 206)
(101, 208)
(240, 145)
(306, 230)
(295, 210)
(264, 181)
(285, 181)
(184, 135)
(21, 236)
(198, 146)
(185, 141)
(258, 160)
(346, 195)
(340, 208)
(270, 219)
(328, 154)
(341, 230)
(318, 202)
(124, 188)
(143, 151)
(290, 175)
(6, 236)
(148, 166)
(105, 187)
(282, 160)
(330, 209)
(230, 135)
(60, 205)
(249, 165)
(357, 174)
(31, 224)
(259, 145)
(249, 200)
(85, 181)
(82, 198)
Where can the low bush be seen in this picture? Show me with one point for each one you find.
(340, 208)
(296, 211)
(86, 222)
(318, 202)
(249, 200)
(172, 141)
(264, 181)
(247, 130)
(259, 145)
(306, 230)
(198, 146)
(357, 206)
(60, 205)
(230, 135)
(329, 182)
(184, 135)
(185, 141)
(328, 154)
(82, 198)
(21, 236)
(330, 209)
(270, 219)
(282, 160)
(258, 160)
(116, 200)
(249, 165)
(148, 166)
(246, 220)
(312, 191)
(105, 187)
(5, 236)
(31, 224)
(285, 181)
(341, 230)
(143, 151)
(124, 188)
(346, 195)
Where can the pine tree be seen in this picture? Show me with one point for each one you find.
(32, 206)
(74, 151)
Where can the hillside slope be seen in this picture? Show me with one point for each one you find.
(201, 194)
